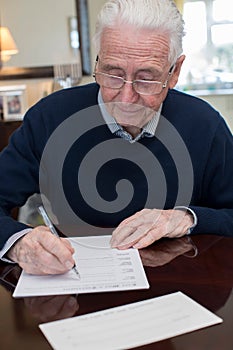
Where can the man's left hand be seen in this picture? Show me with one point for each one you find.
(148, 225)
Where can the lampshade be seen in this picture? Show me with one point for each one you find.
(7, 44)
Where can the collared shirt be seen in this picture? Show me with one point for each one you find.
(147, 131)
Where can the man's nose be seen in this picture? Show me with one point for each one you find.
(128, 94)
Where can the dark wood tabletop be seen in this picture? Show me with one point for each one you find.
(202, 268)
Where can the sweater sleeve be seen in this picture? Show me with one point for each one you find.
(19, 172)
(215, 210)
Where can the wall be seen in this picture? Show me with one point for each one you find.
(37, 88)
(94, 8)
(40, 30)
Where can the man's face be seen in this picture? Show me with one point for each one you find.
(135, 54)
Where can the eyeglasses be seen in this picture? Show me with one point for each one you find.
(142, 87)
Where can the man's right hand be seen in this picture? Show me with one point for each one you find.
(40, 252)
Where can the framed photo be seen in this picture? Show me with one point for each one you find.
(13, 102)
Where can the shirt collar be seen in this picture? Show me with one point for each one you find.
(148, 130)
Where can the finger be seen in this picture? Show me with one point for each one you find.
(40, 252)
(132, 238)
(59, 249)
(68, 245)
(129, 219)
(148, 239)
(166, 227)
(42, 262)
(120, 234)
(146, 217)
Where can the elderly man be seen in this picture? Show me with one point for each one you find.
(139, 58)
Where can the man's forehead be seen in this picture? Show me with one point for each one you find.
(129, 42)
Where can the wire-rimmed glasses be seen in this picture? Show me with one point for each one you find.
(142, 87)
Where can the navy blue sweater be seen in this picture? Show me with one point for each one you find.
(192, 153)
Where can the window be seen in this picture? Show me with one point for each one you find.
(208, 45)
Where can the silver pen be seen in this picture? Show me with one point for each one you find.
(50, 225)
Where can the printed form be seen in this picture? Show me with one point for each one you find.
(101, 268)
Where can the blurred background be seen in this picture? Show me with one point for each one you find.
(52, 47)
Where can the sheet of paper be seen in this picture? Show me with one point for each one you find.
(130, 325)
(101, 269)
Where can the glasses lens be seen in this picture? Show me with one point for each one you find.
(109, 81)
(147, 88)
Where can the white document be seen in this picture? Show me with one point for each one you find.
(101, 269)
(131, 325)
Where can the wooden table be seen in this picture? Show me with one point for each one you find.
(170, 265)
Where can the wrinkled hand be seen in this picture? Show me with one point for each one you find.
(39, 252)
(51, 308)
(148, 225)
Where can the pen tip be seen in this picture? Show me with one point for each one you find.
(76, 271)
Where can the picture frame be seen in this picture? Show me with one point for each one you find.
(13, 102)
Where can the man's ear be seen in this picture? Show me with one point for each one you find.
(175, 75)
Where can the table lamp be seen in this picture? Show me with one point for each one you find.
(7, 45)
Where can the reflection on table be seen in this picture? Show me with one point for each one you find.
(201, 267)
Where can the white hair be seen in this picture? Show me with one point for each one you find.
(158, 15)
